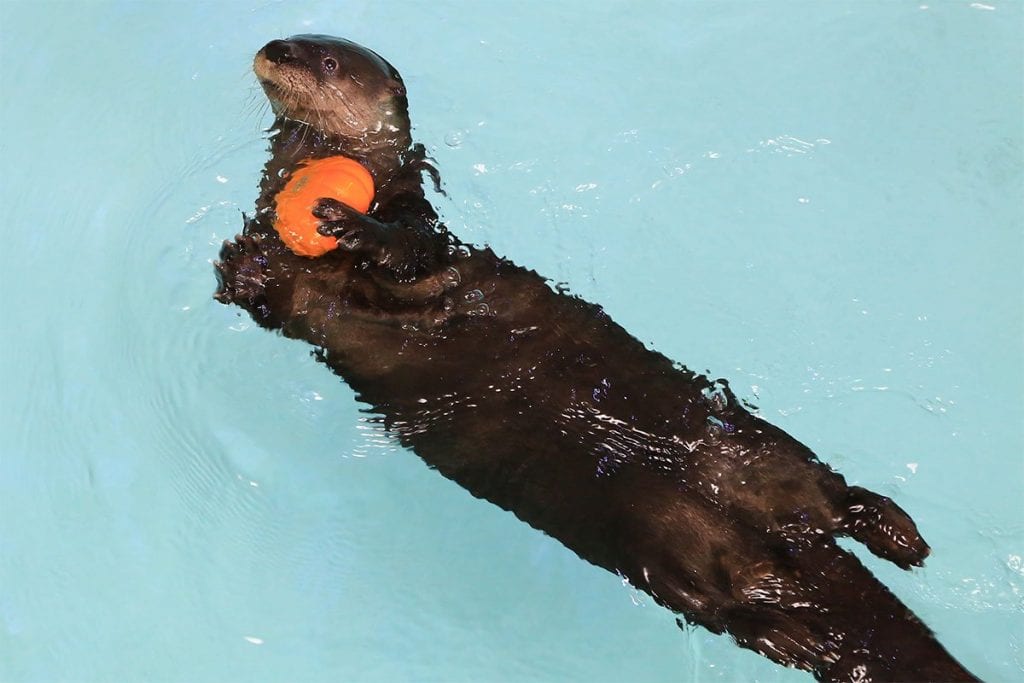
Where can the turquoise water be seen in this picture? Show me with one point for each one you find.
(819, 201)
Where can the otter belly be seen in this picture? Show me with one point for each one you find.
(544, 406)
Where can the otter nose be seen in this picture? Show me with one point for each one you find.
(279, 51)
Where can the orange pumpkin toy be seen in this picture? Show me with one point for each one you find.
(340, 178)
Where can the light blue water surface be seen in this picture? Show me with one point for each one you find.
(819, 201)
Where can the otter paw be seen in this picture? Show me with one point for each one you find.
(242, 273)
(355, 232)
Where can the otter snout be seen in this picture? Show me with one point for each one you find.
(279, 51)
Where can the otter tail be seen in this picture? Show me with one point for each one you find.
(878, 637)
(825, 612)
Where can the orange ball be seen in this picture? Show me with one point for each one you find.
(340, 178)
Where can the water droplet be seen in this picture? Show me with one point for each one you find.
(452, 278)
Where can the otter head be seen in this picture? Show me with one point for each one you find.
(338, 88)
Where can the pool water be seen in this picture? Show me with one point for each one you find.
(818, 201)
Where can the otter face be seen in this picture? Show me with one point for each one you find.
(334, 85)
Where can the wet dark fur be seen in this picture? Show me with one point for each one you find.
(540, 403)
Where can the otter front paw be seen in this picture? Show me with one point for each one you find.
(242, 275)
(356, 232)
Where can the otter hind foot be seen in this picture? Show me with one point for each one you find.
(882, 526)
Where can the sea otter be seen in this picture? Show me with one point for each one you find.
(538, 402)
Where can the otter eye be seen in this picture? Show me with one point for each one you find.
(330, 64)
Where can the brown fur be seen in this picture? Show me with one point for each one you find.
(540, 403)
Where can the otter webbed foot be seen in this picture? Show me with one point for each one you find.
(242, 277)
(881, 525)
